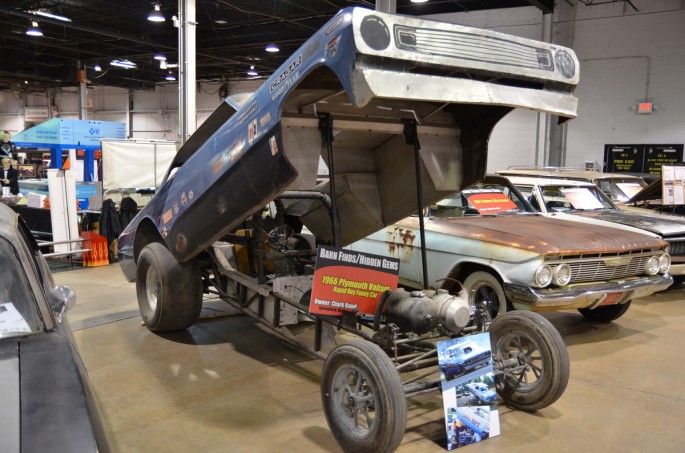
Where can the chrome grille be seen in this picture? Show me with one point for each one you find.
(676, 248)
(594, 267)
(596, 270)
(473, 47)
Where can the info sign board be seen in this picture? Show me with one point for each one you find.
(673, 184)
(640, 158)
(488, 201)
(468, 390)
(350, 280)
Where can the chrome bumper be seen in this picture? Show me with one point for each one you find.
(584, 296)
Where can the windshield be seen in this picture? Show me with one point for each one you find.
(621, 189)
(481, 199)
(18, 311)
(568, 198)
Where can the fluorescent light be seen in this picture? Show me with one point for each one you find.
(170, 77)
(252, 72)
(97, 68)
(272, 48)
(419, 1)
(123, 64)
(50, 15)
(220, 22)
(156, 15)
(34, 30)
(159, 57)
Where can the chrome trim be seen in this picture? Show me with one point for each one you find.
(581, 296)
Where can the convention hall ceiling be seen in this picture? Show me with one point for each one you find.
(231, 35)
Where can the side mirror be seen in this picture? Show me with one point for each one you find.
(61, 299)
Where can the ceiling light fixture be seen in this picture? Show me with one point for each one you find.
(272, 48)
(170, 76)
(156, 15)
(252, 72)
(162, 64)
(123, 64)
(419, 1)
(50, 15)
(159, 57)
(97, 68)
(34, 30)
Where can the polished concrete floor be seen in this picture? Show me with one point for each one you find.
(229, 385)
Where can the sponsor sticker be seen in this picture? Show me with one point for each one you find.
(184, 199)
(334, 25)
(165, 232)
(190, 195)
(235, 151)
(175, 208)
(218, 165)
(263, 121)
(249, 112)
(273, 145)
(167, 216)
(252, 131)
(332, 46)
(286, 73)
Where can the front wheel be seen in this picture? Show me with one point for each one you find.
(363, 398)
(533, 357)
(169, 293)
(607, 313)
(483, 287)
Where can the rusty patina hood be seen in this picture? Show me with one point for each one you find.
(542, 235)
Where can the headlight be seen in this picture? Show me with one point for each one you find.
(652, 265)
(664, 263)
(543, 275)
(562, 275)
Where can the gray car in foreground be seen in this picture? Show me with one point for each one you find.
(46, 402)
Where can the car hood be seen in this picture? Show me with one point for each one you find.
(661, 224)
(43, 403)
(544, 235)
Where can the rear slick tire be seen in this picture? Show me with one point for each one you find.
(169, 293)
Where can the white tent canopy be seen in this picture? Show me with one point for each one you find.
(135, 163)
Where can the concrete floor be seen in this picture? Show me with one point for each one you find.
(228, 385)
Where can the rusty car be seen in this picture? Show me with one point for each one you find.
(492, 242)
(584, 202)
(365, 93)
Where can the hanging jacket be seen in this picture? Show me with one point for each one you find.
(127, 211)
(109, 221)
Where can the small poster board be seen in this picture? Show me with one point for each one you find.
(581, 198)
(350, 280)
(468, 390)
(673, 184)
(488, 201)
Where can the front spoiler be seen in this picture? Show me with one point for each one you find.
(584, 296)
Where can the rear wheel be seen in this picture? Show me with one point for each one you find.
(169, 293)
(483, 287)
(363, 398)
(607, 313)
(533, 357)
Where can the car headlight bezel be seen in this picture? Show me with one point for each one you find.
(664, 263)
(652, 265)
(543, 276)
(561, 276)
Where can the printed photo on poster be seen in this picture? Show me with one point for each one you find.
(350, 280)
(468, 390)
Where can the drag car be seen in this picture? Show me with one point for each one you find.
(243, 214)
(463, 358)
(47, 403)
